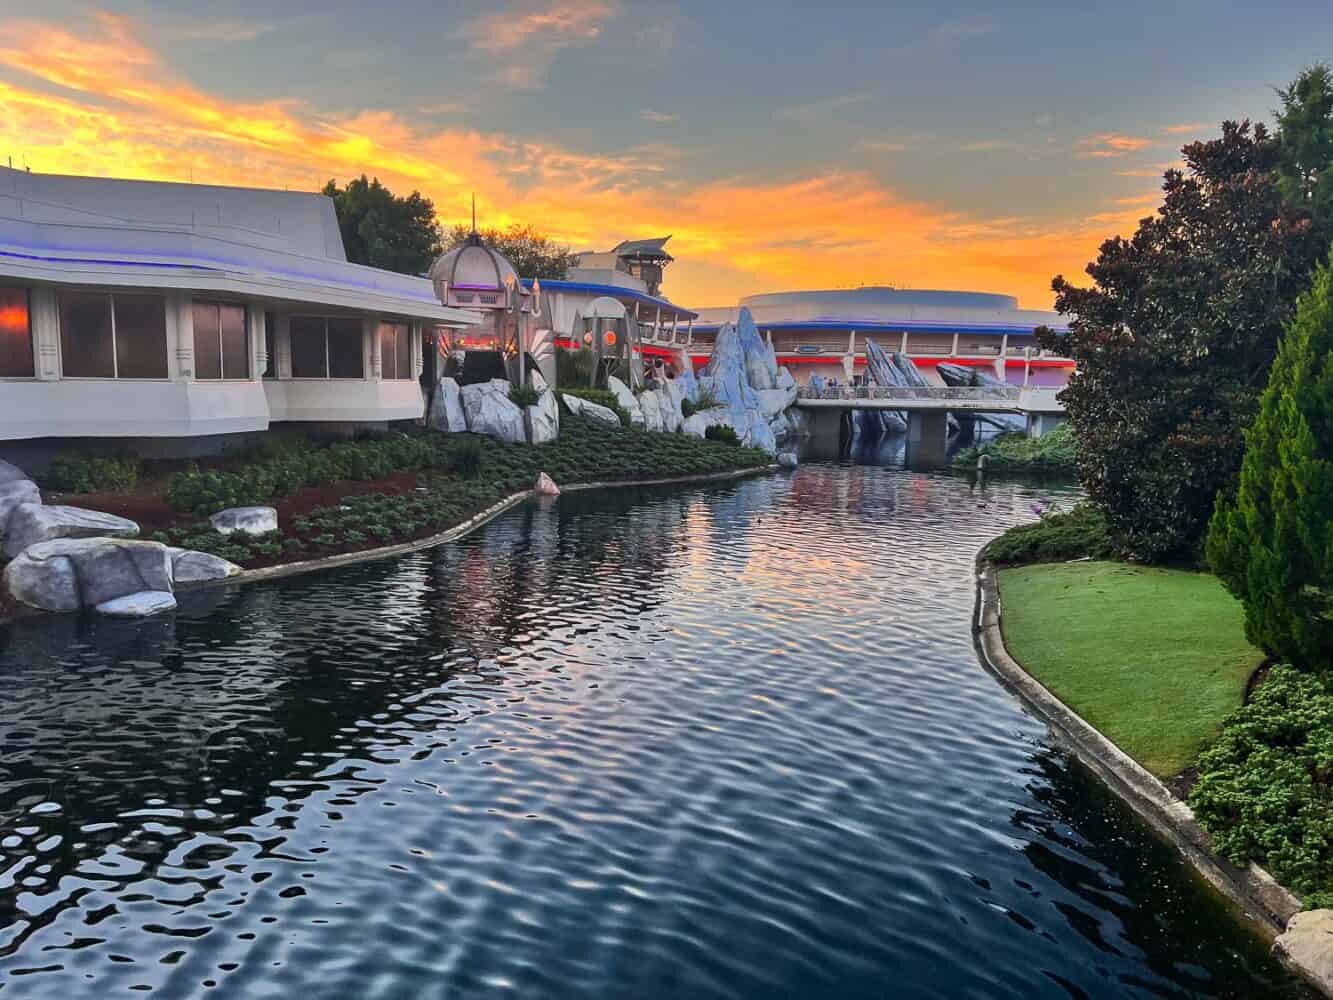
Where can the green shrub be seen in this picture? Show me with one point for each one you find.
(602, 397)
(1272, 543)
(687, 408)
(1054, 451)
(1080, 533)
(573, 369)
(74, 473)
(524, 395)
(1263, 790)
(723, 433)
(463, 456)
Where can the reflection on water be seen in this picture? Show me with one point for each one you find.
(730, 742)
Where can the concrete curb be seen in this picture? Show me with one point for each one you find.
(452, 534)
(1257, 896)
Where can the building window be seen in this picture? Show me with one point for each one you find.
(395, 351)
(221, 346)
(16, 359)
(327, 347)
(113, 336)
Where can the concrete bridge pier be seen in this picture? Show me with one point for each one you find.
(927, 438)
(824, 424)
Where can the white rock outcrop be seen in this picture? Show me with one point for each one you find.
(626, 399)
(13, 493)
(30, 523)
(595, 410)
(245, 520)
(140, 605)
(652, 412)
(446, 408)
(543, 417)
(188, 566)
(491, 412)
(545, 486)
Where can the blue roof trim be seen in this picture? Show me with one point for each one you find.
(995, 329)
(615, 292)
(98, 260)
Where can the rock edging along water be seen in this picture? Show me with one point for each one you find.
(1299, 939)
(454, 533)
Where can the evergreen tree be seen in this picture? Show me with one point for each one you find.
(1272, 544)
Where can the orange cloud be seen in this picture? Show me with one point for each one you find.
(1105, 145)
(1186, 129)
(103, 104)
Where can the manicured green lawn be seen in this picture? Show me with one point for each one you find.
(1154, 658)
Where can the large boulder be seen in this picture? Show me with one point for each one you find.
(67, 573)
(245, 520)
(626, 400)
(490, 411)
(140, 605)
(11, 473)
(188, 566)
(911, 374)
(543, 417)
(697, 424)
(595, 410)
(446, 408)
(30, 523)
(13, 493)
(650, 407)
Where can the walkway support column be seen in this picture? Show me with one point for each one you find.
(927, 438)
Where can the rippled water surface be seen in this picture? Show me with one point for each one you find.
(726, 742)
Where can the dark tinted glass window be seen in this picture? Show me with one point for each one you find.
(15, 334)
(404, 351)
(235, 343)
(308, 357)
(207, 351)
(345, 354)
(86, 347)
(141, 336)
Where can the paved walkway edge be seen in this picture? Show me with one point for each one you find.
(1260, 900)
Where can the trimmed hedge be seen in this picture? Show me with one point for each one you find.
(1055, 538)
(74, 473)
(1055, 451)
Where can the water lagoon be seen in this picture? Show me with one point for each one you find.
(719, 742)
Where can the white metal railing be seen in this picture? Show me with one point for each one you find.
(840, 392)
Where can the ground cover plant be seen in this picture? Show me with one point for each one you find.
(1058, 537)
(1052, 452)
(1157, 661)
(1264, 790)
(75, 473)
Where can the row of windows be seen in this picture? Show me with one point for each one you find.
(124, 335)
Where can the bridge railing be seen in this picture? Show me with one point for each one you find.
(1008, 393)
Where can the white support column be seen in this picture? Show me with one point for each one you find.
(903, 349)
(675, 327)
(255, 330)
(417, 337)
(45, 333)
(953, 352)
(851, 342)
(180, 337)
(1001, 365)
(657, 324)
(689, 333)
(1027, 366)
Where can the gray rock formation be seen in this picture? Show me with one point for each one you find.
(761, 363)
(188, 566)
(68, 573)
(546, 486)
(140, 605)
(959, 376)
(446, 408)
(911, 373)
(11, 473)
(626, 399)
(652, 413)
(246, 520)
(698, 423)
(543, 417)
(30, 523)
(594, 410)
(490, 411)
(1307, 946)
(787, 459)
(883, 372)
(13, 493)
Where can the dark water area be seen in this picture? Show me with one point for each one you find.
(723, 742)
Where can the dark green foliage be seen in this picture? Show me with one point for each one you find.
(723, 433)
(239, 548)
(688, 409)
(261, 480)
(1305, 128)
(602, 397)
(573, 369)
(74, 473)
(1055, 538)
(383, 230)
(1263, 790)
(524, 395)
(532, 254)
(463, 457)
(1056, 451)
(1272, 543)
(1175, 340)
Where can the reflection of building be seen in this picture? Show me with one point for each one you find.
(824, 332)
(134, 310)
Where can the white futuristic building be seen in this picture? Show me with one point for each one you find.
(176, 315)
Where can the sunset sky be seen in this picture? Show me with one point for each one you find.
(785, 145)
